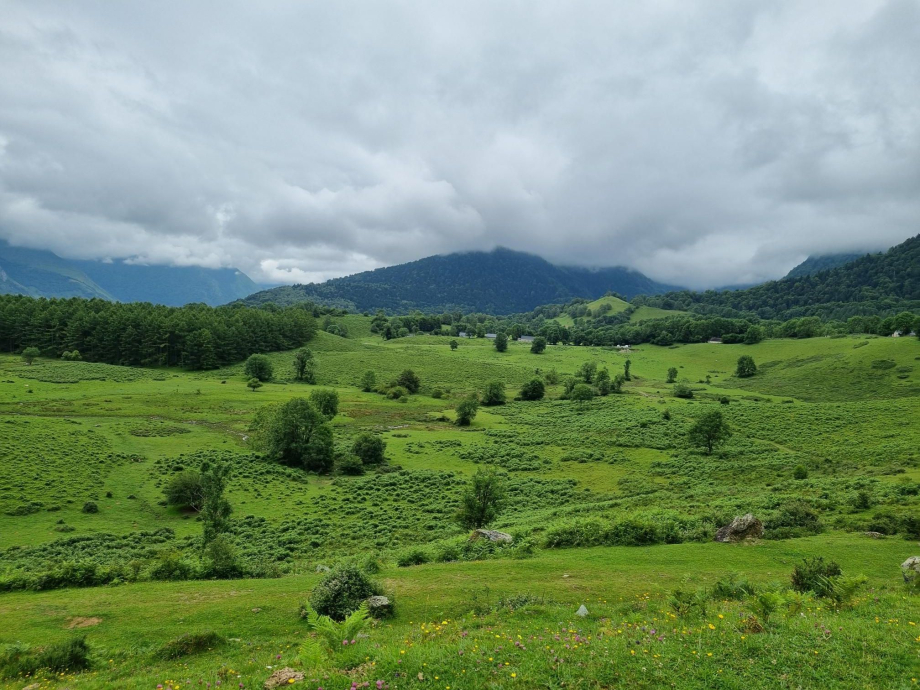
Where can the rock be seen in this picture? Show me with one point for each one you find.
(322, 568)
(491, 535)
(256, 610)
(283, 677)
(910, 569)
(874, 535)
(379, 607)
(33, 686)
(741, 528)
(582, 611)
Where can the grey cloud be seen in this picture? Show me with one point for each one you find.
(703, 143)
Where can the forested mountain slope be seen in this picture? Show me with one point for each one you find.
(881, 284)
(41, 273)
(501, 282)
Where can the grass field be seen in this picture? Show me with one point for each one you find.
(843, 408)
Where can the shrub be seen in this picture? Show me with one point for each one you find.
(412, 557)
(90, 507)
(397, 393)
(188, 644)
(326, 401)
(813, 575)
(533, 390)
(538, 346)
(437, 394)
(60, 657)
(494, 394)
(253, 384)
(685, 603)
(682, 390)
(185, 490)
(746, 367)
(732, 586)
(342, 591)
(221, 559)
(368, 381)
(349, 464)
(800, 472)
(466, 410)
(581, 392)
(258, 367)
(170, 566)
(370, 448)
(409, 380)
(724, 400)
(30, 354)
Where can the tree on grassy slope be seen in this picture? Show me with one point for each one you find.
(482, 501)
(709, 431)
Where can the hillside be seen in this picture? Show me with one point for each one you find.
(815, 264)
(499, 282)
(39, 273)
(882, 284)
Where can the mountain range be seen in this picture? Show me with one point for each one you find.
(41, 273)
(501, 281)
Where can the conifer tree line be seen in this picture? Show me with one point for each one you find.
(195, 336)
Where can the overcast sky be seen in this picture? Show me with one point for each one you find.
(703, 143)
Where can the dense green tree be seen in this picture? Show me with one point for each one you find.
(746, 367)
(29, 355)
(466, 410)
(682, 390)
(753, 335)
(454, 344)
(709, 430)
(482, 501)
(586, 371)
(581, 392)
(616, 386)
(326, 401)
(672, 375)
(258, 367)
(602, 382)
(494, 394)
(533, 390)
(305, 365)
(409, 380)
(296, 434)
(185, 490)
(254, 384)
(368, 381)
(370, 448)
(215, 508)
(626, 366)
(538, 346)
(501, 342)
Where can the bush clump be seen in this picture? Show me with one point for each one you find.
(814, 574)
(90, 507)
(342, 591)
(188, 644)
(61, 657)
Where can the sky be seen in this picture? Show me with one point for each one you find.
(703, 143)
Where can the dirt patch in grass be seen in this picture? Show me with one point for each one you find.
(80, 622)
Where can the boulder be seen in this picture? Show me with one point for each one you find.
(874, 535)
(379, 607)
(491, 535)
(283, 677)
(741, 528)
(910, 569)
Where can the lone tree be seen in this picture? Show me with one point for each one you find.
(581, 392)
(466, 410)
(626, 365)
(409, 380)
(326, 401)
(672, 375)
(482, 501)
(305, 365)
(296, 434)
(754, 335)
(215, 509)
(538, 346)
(533, 390)
(185, 490)
(616, 386)
(368, 381)
(370, 448)
(254, 384)
(29, 355)
(602, 382)
(454, 344)
(494, 394)
(746, 367)
(709, 430)
(501, 342)
(258, 367)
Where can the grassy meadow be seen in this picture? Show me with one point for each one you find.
(845, 409)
